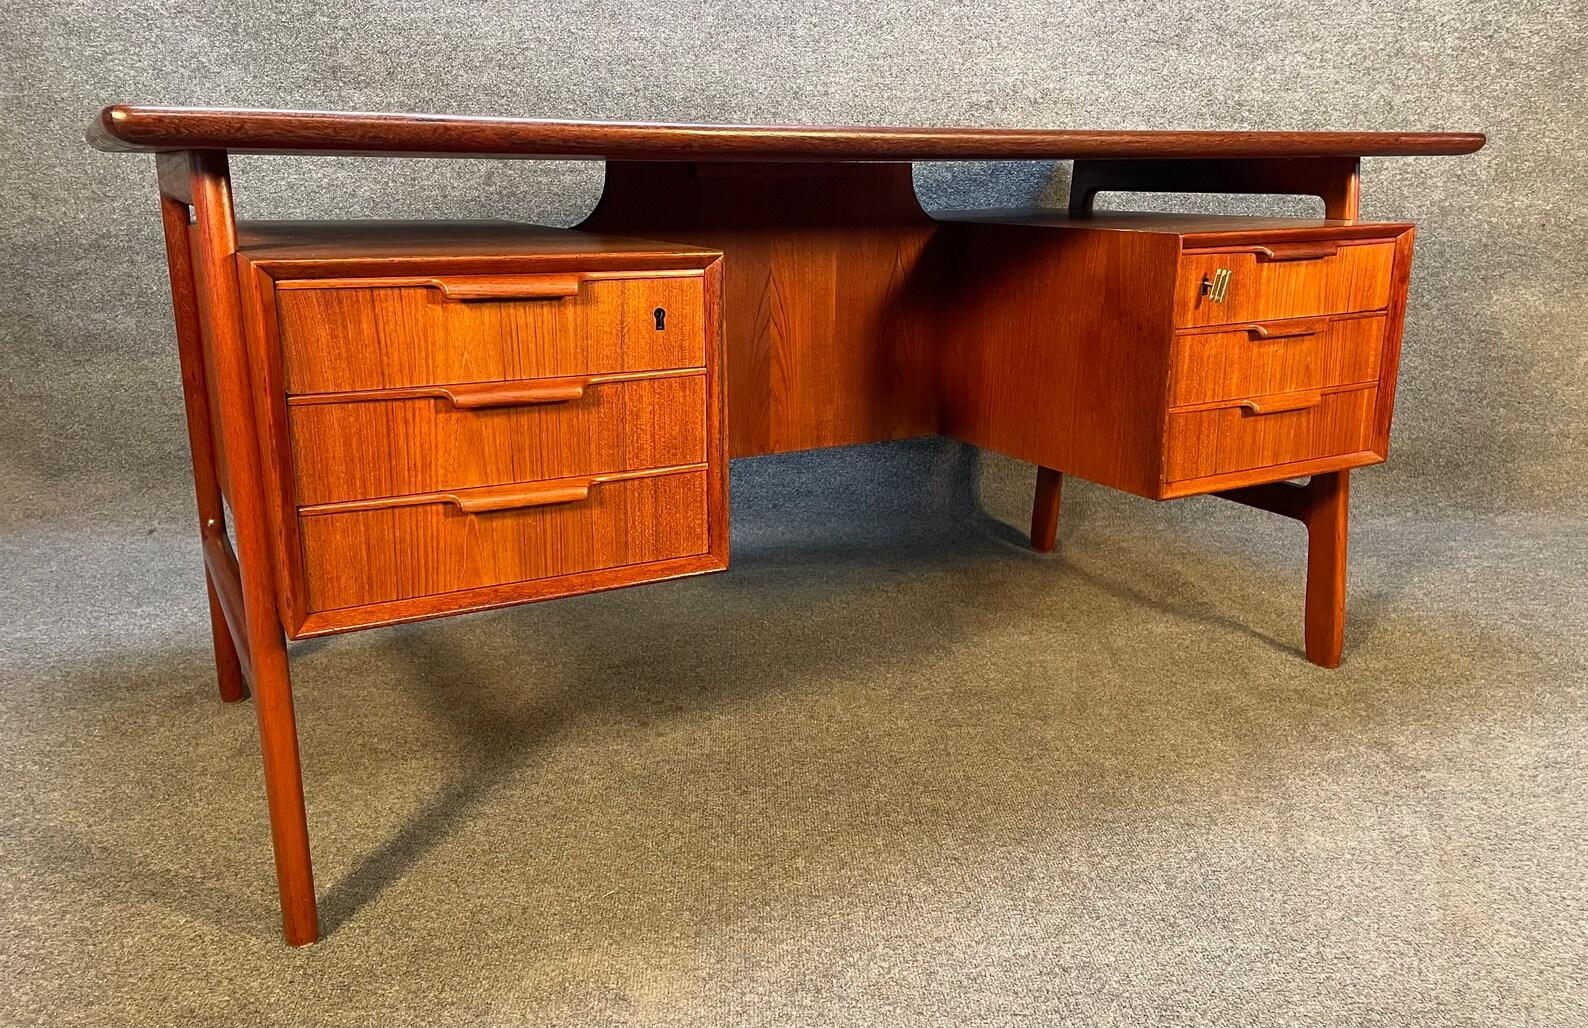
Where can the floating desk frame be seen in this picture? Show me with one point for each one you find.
(827, 336)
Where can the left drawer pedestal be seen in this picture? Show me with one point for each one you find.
(455, 433)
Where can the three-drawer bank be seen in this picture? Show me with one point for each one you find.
(1171, 355)
(457, 417)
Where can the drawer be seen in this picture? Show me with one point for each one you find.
(427, 438)
(1282, 280)
(428, 545)
(1264, 431)
(339, 335)
(1275, 357)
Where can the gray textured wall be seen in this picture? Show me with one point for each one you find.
(1491, 411)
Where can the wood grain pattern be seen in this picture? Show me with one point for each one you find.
(1395, 321)
(391, 248)
(1354, 277)
(1056, 346)
(358, 257)
(270, 412)
(826, 345)
(534, 590)
(403, 552)
(134, 127)
(384, 336)
(1218, 484)
(1218, 440)
(1275, 357)
(387, 447)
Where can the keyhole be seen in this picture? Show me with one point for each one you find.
(660, 314)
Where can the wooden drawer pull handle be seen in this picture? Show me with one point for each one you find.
(1284, 330)
(491, 287)
(1280, 404)
(1296, 251)
(511, 394)
(483, 501)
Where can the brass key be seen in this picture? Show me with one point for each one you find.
(1217, 287)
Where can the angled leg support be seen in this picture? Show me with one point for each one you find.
(1322, 505)
(219, 395)
(174, 209)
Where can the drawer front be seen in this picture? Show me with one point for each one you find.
(1283, 281)
(1275, 357)
(477, 329)
(384, 445)
(1268, 431)
(360, 557)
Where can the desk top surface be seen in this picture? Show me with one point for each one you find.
(135, 128)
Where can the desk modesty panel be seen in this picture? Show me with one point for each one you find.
(393, 421)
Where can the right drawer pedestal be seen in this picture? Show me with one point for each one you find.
(1171, 355)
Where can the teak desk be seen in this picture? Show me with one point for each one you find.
(408, 420)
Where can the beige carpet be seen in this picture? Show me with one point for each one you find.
(893, 768)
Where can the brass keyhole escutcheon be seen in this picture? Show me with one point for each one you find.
(660, 314)
(1217, 287)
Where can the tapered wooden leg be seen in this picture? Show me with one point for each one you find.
(1322, 505)
(289, 825)
(201, 178)
(1045, 510)
(1327, 529)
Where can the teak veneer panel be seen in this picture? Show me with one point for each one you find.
(1219, 440)
(377, 336)
(1057, 346)
(1275, 357)
(374, 556)
(828, 343)
(385, 247)
(380, 446)
(1355, 278)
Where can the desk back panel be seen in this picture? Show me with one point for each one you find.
(827, 334)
